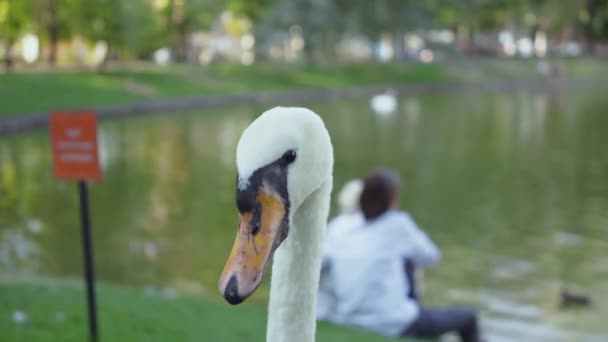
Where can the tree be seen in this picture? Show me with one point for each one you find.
(587, 18)
(251, 9)
(56, 19)
(319, 21)
(14, 19)
(102, 21)
(594, 21)
(398, 17)
(182, 17)
(142, 27)
(128, 27)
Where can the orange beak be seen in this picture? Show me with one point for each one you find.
(260, 232)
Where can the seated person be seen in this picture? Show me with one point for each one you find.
(349, 217)
(365, 273)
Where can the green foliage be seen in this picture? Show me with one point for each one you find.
(15, 17)
(142, 28)
(182, 17)
(103, 20)
(61, 15)
(593, 18)
(135, 28)
(252, 9)
(127, 26)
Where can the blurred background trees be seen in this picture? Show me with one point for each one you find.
(204, 31)
(15, 18)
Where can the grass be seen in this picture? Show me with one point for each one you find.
(42, 91)
(56, 312)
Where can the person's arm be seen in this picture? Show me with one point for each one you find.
(425, 253)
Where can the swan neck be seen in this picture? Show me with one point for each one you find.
(295, 272)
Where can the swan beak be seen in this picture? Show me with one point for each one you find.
(260, 232)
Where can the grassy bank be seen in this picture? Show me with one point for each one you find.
(23, 92)
(56, 312)
(41, 91)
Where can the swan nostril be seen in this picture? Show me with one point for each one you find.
(231, 293)
(255, 227)
(256, 220)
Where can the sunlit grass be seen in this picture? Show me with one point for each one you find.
(56, 312)
(50, 91)
(44, 91)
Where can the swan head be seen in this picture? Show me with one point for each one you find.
(282, 158)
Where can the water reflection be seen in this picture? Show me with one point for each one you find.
(18, 251)
(512, 187)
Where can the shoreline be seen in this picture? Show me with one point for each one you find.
(22, 123)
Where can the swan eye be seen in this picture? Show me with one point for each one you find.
(288, 157)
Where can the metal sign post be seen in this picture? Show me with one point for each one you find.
(87, 247)
(74, 140)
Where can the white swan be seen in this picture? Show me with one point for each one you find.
(384, 104)
(284, 164)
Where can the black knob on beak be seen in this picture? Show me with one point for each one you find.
(231, 293)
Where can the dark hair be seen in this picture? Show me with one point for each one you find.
(379, 189)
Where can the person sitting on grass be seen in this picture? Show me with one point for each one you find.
(366, 273)
(349, 217)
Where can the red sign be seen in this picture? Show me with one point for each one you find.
(74, 140)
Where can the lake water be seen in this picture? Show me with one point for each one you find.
(512, 187)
